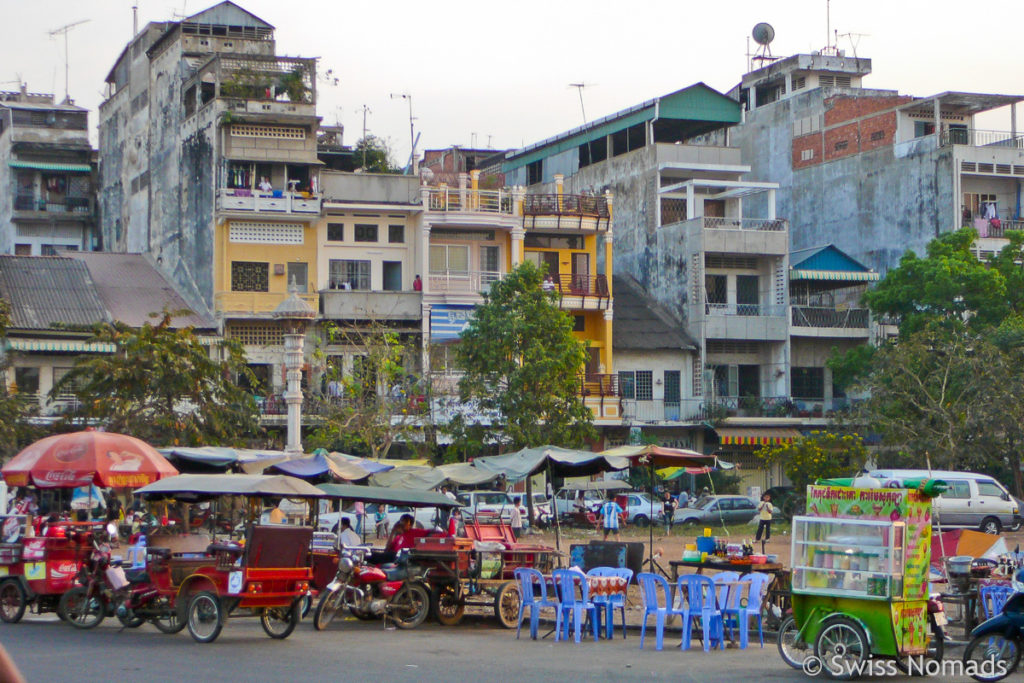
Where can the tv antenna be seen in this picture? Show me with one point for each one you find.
(64, 30)
(366, 110)
(854, 39)
(579, 88)
(412, 132)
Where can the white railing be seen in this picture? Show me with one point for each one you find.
(769, 310)
(817, 316)
(456, 199)
(982, 138)
(273, 202)
(773, 224)
(478, 281)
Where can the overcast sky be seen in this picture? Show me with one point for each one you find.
(498, 74)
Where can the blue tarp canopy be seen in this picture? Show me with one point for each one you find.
(564, 462)
(338, 465)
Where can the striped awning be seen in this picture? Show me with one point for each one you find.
(841, 275)
(755, 436)
(51, 166)
(59, 345)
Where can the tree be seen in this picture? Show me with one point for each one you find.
(378, 402)
(161, 385)
(819, 455)
(373, 155)
(15, 430)
(522, 367)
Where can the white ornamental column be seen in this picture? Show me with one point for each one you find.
(295, 316)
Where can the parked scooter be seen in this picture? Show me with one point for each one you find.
(995, 648)
(396, 592)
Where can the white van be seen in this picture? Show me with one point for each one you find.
(974, 501)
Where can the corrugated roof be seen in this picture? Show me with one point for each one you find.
(131, 288)
(49, 291)
(642, 324)
(826, 258)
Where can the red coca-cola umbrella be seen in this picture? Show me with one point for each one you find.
(89, 457)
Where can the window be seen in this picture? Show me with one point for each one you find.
(393, 276)
(27, 380)
(922, 128)
(249, 276)
(579, 323)
(553, 241)
(716, 289)
(335, 232)
(627, 384)
(534, 172)
(489, 257)
(744, 504)
(298, 274)
(22, 249)
(799, 82)
(449, 258)
(748, 379)
(878, 135)
(808, 383)
(989, 488)
(366, 233)
(841, 145)
(644, 385)
(396, 234)
(806, 154)
(957, 489)
(747, 295)
(354, 273)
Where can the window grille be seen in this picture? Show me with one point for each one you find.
(266, 233)
(250, 276)
(246, 130)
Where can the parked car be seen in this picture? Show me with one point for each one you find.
(638, 509)
(425, 518)
(541, 510)
(973, 501)
(486, 504)
(719, 509)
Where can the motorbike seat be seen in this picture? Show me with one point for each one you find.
(395, 573)
(137, 576)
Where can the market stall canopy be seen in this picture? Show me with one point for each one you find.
(347, 468)
(659, 456)
(426, 478)
(607, 485)
(756, 436)
(564, 462)
(388, 496)
(966, 542)
(188, 487)
(248, 460)
(90, 457)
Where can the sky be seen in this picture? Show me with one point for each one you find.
(497, 75)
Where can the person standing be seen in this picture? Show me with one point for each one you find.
(765, 509)
(668, 507)
(516, 519)
(610, 512)
(417, 284)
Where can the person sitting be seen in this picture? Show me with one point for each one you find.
(277, 515)
(347, 537)
(265, 184)
(404, 534)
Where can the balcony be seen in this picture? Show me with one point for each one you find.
(278, 202)
(829, 321)
(580, 292)
(80, 207)
(600, 394)
(981, 138)
(752, 236)
(265, 85)
(767, 322)
(769, 224)
(448, 199)
(462, 281)
(256, 303)
(566, 212)
(697, 410)
(358, 304)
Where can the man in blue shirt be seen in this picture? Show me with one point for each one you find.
(610, 512)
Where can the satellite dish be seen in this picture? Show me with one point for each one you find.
(763, 33)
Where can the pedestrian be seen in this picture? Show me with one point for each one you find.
(517, 518)
(668, 507)
(764, 517)
(684, 498)
(360, 511)
(610, 512)
(417, 284)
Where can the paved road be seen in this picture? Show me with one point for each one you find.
(47, 650)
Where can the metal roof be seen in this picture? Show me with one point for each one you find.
(961, 103)
(51, 166)
(642, 324)
(827, 262)
(49, 291)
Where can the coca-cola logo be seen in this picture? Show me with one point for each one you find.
(69, 452)
(60, 476)
(63, 570)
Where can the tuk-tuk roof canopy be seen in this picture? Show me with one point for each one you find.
(609, 485)
(200, 486)
(388, 496)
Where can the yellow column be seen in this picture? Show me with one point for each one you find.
(474, 188)
(609, 271)
(559, 188)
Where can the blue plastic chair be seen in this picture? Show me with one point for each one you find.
(993, 599)
(609, 603)
(649, 585)
(571, 606)
(529, 600)
(722, 592)
(700, 604)
(739, 612)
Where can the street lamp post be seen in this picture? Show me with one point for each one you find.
(294, 315)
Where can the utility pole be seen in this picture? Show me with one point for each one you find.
(64, 30)
(366, 110)
(412, 133)
(579, 87)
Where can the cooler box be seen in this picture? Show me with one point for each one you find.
(706, 544)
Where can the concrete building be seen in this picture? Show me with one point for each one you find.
(46, 172)
(876, 172)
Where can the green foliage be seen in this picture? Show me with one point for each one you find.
(819, 455)
(523, 367)
(162, 385)
(373, 155)
(16, 431)
(378, 402)
(293, 84)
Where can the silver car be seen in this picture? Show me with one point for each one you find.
(719, 510)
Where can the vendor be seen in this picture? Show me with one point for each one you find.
(404, 535)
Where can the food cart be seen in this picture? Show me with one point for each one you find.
(860, 562)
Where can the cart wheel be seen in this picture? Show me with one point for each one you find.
(792, 650)
(169, 623)
(279, 622)
(447, 605)
(81, 610)
(506, 604)
(306, 605)
(410, 605)
(12, 601)
(205, 617)
(993, 652)
(841, 648)
(330, 604)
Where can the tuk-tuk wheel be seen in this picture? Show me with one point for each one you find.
(279, 622)
(12, 601)
(506, 604)
(842, 647)
(169, 623)
(408, 607)
(205, 617)
(447, 605)
(80, 609)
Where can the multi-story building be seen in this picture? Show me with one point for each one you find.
(875, 172)
(46, 172)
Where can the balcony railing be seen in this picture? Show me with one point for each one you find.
(692, 410)
(1004, 227)
(982, 138)
(462, 281)
(770, 224)
(73, 205)
(568, 284)
(478, 201)
(751, 310)
(599, 385)
(566, 205)
(277, 201)
(814, 316)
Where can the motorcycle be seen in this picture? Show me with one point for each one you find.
(397, 593)
(995, 648)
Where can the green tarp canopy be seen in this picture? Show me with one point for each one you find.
(379, 494)
(426, 478)
(564, 462)
(203, 486)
